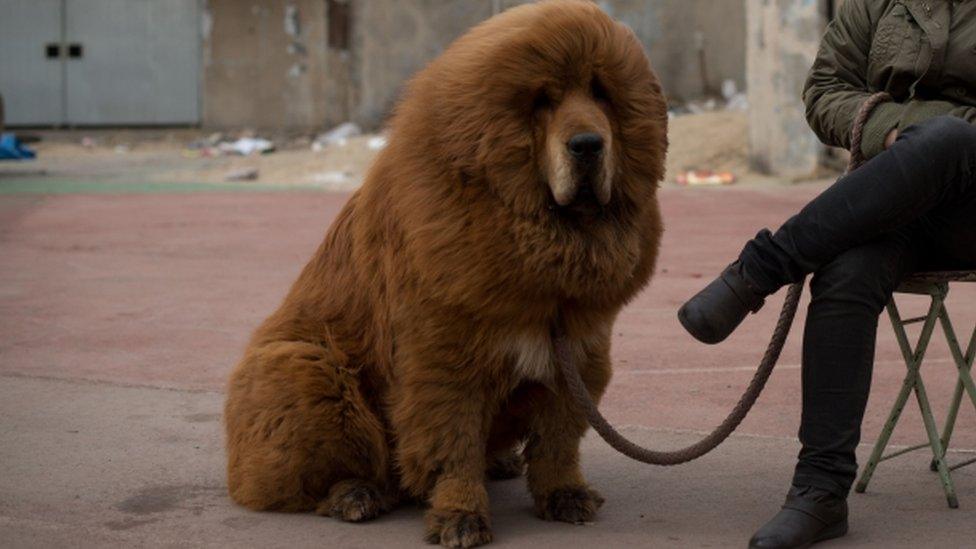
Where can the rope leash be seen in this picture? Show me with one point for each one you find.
(582, 397)
(857, 131)
(608, 433)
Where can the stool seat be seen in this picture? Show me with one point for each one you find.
(933, 282)
(934, 277)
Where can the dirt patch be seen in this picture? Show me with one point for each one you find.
(714, 141)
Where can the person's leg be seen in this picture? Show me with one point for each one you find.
(930, 166)
(952, 244)
(930, 169)
(848, 295)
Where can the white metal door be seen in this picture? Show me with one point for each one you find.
(31, 77)
(132, 61)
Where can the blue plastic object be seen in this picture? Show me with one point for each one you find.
(11, 149)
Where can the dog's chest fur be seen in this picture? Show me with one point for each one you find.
(531, 357)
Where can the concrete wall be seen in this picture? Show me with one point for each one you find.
(670, 30)
(784, 36)
(267, 65)
(395, 38)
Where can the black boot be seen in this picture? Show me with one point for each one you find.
(716, 311)
(809, 515)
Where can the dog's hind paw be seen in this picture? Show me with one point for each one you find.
(576, 505)
(354, 501)
(457, 529)
(505, 466)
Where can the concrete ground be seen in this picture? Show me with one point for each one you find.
(124, 306)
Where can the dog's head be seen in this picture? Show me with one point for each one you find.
(553, 106)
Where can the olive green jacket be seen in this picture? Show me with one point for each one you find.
(922, 52)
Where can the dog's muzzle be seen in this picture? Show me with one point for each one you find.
(587, 153)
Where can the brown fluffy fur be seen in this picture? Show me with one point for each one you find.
(413, 354)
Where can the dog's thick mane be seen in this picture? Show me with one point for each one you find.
(477, 96)
(469, 116)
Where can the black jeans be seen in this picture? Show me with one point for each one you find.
(912, 207)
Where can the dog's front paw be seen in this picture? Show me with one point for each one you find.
(354, 501)
(576, 505)
(459, 529)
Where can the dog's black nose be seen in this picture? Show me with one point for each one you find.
(585, 146)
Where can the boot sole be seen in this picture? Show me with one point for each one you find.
(836, 531)
(831, 532)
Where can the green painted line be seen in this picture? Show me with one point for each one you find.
(81, 186)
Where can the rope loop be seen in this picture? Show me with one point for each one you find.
(606, 431)
(581, 396)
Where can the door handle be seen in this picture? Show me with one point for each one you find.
(75, 51)
(52, 50)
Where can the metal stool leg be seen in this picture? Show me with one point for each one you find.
(937, 450)
(964, 364)
(950, 422)
(913, 360)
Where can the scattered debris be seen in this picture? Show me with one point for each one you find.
(694, 178)
(292, 23)
(739, 102)
(712, 141)
(338, 135)
(88, 142)
(332, 177)
(243, 174)
(206, 147)
(734, 99)
(698, 107)
(731, 99)
(377, 143)
(247, 146)
(729, 88)
(122, 149)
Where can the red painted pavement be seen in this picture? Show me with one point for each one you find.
(163, 291)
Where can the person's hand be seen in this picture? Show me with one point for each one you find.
(890, 139)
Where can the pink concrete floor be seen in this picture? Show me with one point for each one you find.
(163, 290)
(144, 292)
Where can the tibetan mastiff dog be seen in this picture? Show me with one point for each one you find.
(413, 357)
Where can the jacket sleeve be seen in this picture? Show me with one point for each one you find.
(837, 84)
(889, 116)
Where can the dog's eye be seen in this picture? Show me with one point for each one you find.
(541, 101)
(599, 92)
